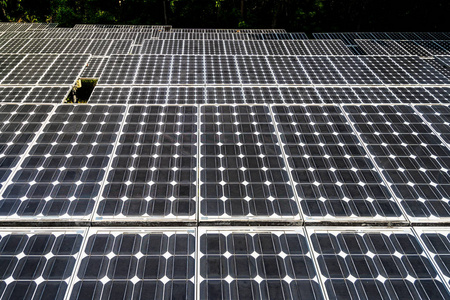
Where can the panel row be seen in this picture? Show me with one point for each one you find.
(349, 37)
(253, 47)
(423, 48)
(58, 46)
(268, 70)
(224, 263)
(266, 95)
(230, 35)
(36, 69)
(385, 163)
(69, 34)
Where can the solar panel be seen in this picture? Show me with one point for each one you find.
(254, 70)
(152, 264)
(369, 95)
(420, 71)
(320, 70)
(413, 95)
(20, 125)
(354, 71)
(334, 177)
(242, 172)
(38, 264)
(13, 94)
(153, 170)
(61, 173)
(413, 48)
(387, 71)
(43, 69)
(337, 95)
(374, 263)
(411, 157)
(433, 47)
(440, 93)
(300, 95)
(47, 94)
(326, 47)
(94, 67)
(256, 263)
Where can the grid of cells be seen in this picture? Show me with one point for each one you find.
(153, 170)
(61, 174)
(330, 47)
(438, 116)
(375, 95)
(38, 264)
(387, 71)
(413, 48)
(413, 95)
(336, 95)
(411, 157)
(287, 70)
(182, 95)
(110, 95)
(94, 67)
(433, 47)
(440, 93)
(46, 95)
(320, 70)
(440, 65)
(136, 264)
(242, 172)
(374, 264)
(354, 71)
(13, 94)
(303, 95)
(43, 69)
(333, 175)
(20, 125)
(420, 71)
(436, 242)
(243, 264)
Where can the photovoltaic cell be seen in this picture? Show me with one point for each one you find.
(333, 175)
(153, 170)
(60, 175)
(374, 264)
(412, 158)
(420, 71)
(253, 263)
(242, 172)
(136, 264)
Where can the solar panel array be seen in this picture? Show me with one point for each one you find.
(223, 164)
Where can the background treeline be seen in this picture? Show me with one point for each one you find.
(293, 15)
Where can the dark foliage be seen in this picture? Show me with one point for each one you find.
(293, 15)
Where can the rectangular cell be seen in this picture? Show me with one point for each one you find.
(153, 173)
(242, 171)
(334, 177)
